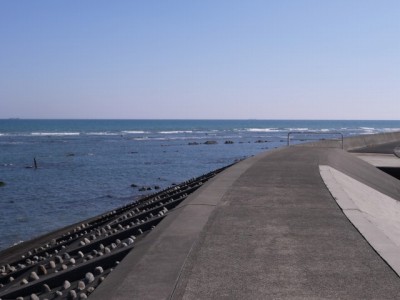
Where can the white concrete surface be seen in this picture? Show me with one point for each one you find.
(374, 214)
(380, 160)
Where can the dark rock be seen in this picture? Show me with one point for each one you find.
(193, 143)
(210, 143)
(70, 154)
(133, 185)
(2, 183)
(229, 142)
(156, 187)
(149, 188)
(142, 189)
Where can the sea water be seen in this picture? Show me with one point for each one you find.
(86, 167)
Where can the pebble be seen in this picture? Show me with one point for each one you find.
(42, 270)
(72, 295)
(98, 270)
(24, 281)
(33, 276)
(89, 277)
(80, 254)
(64, 266)
(66, 285)
(52, 264)
(86, 240)
(81, 285)
(46, 288)
(34, 297)
(58, 259)
(59, 293)
(90, 290)
(72, 261)
(82, 296)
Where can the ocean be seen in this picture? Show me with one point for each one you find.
(87, 167)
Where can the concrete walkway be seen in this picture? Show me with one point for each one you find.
(266, 228)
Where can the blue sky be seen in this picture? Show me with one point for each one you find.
(286, 59)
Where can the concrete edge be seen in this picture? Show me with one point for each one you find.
(162, 255)
(385, 248)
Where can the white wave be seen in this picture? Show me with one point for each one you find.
(134, 131)
(102, 133)
(263, 130)
(391, 129)
(176, 131)
(367, 128)
(298, 129)
(54, 133)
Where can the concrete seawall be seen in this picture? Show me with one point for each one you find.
(267, 228)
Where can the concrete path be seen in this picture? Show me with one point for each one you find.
(267, 228)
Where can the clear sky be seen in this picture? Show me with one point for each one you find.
(277, 59)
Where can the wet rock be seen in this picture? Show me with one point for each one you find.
(133, 185)
(193, 144)
(142, 189)
(228, 142)
(156, 187)
(210, 143)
